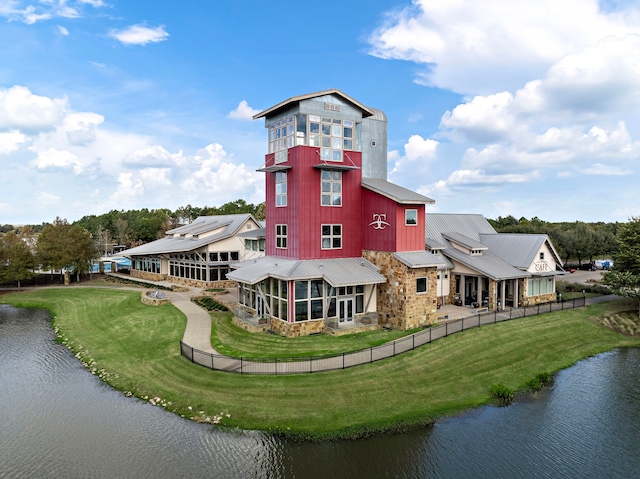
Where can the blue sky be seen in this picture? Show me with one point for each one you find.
(495, 107)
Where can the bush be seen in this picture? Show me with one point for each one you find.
(502, 394)
(209, 304)
(541, 380)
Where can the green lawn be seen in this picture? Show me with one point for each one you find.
(229, 339)
(137, 347)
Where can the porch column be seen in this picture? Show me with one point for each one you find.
(479, 291)
(463, 288)
(503, 288)
(516, 295)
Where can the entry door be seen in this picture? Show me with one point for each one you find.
(345, 310)
(259, 306)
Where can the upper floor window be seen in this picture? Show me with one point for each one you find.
(331, 236)
(541, 255)
(411, 217)
(281, 236)
(332, 135)
(281, 188)
(331, 188)
(421, 285)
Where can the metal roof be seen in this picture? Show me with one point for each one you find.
(297, 99)
(259, 233)
(465, 241)
(471, 226)
(519, 249)
(487, 264)
(396, 193)
(230, 225)
(337, 272)
(421, 259)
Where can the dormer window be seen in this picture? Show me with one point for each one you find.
(476, 252)
(541, 255)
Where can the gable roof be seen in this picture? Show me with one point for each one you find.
(504, 256)
(394, 192)
(519, 249)
(230, 225)
(366, 111)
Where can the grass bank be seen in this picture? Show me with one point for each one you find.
(135, 349)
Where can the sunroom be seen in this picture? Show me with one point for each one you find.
(298, 298)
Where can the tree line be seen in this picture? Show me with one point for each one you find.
(63, 245)
(574, 241)
(60, 245)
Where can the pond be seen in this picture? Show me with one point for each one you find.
(58, 420)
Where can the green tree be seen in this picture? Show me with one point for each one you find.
(17, 262)
(83, 250)
(627, 257)
(624, 283)
(53, 245)
(624, 280)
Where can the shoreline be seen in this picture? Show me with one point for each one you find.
(325, 406)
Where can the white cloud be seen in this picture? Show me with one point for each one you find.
(606, 170)
(416, 150)
(464, 45)
(63, 31)
(243, 112)
(10, 141)
(53, 158)
(22, 110)
(139, 35)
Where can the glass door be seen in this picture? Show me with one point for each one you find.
(345, 310)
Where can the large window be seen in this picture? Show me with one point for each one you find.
(331, 135)
(331, 236)
(281, 236)
(421, 285)
(281, 188)
(309, 299)
(538, 286)
(331, 188)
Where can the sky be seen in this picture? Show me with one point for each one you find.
(500, 107)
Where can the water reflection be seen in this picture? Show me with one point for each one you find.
(57, 420)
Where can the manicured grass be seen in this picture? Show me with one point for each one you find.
(137, 348)
(229, 339)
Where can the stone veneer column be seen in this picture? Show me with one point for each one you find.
(398, 304)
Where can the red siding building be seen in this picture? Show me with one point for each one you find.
(345, 248)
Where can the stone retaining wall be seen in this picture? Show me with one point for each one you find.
(298, 329)
(147, 299)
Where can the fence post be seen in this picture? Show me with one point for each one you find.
(276, 365)
(462, 322)
(413, 341)
(446, 329)
(310, 364)
(241, 370)
(342, 360)
(371, 355)
(394, 348)
(212, 363)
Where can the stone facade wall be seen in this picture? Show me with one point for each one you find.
(226, 284)
(399, 306)
(300, 328)
(135, 273)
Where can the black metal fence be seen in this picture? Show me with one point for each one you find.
(314, 364)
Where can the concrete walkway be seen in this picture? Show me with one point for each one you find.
(197, 334)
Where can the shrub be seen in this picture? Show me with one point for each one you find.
(541, 380)
(209, 304)
(502, 394)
